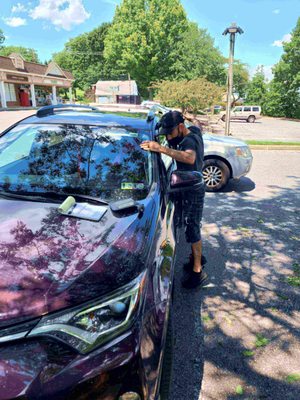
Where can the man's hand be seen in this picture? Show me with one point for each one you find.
(151, 146)
(187, 156)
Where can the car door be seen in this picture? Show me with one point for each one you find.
(167, 241)
(237, 113)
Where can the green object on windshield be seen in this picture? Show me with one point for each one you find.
(67, 204)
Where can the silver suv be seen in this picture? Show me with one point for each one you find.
(246, 113)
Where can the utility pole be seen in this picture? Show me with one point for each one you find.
(233, 30)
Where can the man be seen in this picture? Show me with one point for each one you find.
(188, 150)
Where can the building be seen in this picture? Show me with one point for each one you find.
(25, 84)
(125, 92)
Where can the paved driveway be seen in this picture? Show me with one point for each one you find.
(8, 118)
(241, 334)
(273, 129)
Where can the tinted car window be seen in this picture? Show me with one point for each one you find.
(97, 161)
(247, 109)
(238, 109)
(255, 108)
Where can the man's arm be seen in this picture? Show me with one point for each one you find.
(186, 157)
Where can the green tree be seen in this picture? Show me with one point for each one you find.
(83, 56)
(198, 57)
(273, 103)
(257, 88)
(144, 39)
(27, 53)
(190, 96)
(284, 93)
(240, 81)
(2, 38)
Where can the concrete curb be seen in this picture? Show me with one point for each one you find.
(273, 147)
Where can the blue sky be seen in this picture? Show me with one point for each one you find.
(46, 25)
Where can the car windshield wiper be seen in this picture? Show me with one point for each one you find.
(45, 196)
(18, 196)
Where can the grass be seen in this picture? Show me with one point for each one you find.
(269, 143)
(292, 378)
(248, 353)
(294, 280)
(205, 318)
(261, 341)
(126, 114)
(239, 390)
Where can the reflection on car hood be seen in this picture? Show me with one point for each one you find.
(49, 261)
(221, 140)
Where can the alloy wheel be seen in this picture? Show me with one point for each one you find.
(212, 176)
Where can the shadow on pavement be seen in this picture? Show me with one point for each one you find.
(244, 327)
(239, 185)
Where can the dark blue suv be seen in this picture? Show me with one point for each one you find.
(87, 249)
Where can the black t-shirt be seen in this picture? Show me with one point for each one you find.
(192, 141)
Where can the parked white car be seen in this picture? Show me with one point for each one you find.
(246, 113)
(149, 103)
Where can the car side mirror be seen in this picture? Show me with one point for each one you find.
(185, 180)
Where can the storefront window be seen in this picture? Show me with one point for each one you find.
(10, 92)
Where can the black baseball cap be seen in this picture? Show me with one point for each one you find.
(169, 121)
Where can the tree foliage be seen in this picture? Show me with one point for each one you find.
(240, 81)
(27, 53)
(190, 95)
(198, 57)
(257, 88)
(144, 39)
(2, 38)
(283, 97)
(83, 56)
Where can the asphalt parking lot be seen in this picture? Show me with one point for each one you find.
(239, 337)
(268, 129)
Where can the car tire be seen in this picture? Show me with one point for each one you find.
(251, 118)
(223, 118)
(167, 365)
(216, 174)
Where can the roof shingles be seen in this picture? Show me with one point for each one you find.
(30, 68)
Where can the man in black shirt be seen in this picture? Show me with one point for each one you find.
(188, 151)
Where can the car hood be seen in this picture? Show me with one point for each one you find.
(49, 261)
(221, 140)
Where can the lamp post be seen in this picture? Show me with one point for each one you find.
(233, 30)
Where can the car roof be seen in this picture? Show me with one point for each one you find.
(90, 118)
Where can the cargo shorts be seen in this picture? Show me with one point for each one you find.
(188, 212)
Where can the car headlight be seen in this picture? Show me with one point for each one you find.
(243, 151)
(85, 328)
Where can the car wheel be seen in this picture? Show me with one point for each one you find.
(223, 118)
(251, 118)
(167, 366)
(215, 174)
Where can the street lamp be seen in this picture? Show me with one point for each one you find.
(232, 30)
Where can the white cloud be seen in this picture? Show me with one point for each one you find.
(286, 39)
(267, 71)
(277, 11)
(113, 2)
(18, 8)
(61, 13)
(14, 22)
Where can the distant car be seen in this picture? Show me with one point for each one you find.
(246, 113)
(149, 103)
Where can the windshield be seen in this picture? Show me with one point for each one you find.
(104, 162)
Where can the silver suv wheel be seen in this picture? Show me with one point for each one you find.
(216, 174)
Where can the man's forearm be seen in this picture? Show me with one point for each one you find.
(178, 155)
